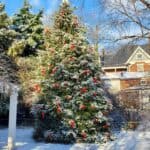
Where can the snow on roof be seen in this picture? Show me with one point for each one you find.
(124, 75)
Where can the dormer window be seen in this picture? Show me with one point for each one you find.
(139, 56)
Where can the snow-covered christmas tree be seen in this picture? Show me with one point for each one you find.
(71, 106)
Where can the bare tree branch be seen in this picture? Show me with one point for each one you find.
(146, 3)
(127, 16)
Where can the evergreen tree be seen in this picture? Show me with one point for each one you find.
(71, 100)
(29, 27)
(6, 35)
(7, 66)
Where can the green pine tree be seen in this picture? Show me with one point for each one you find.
(6, 34)
(29, 27)
(72, 105)
(7, 66)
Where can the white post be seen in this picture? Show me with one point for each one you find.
(12, 119)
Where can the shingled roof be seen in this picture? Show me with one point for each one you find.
(8, 69)
(122, 55)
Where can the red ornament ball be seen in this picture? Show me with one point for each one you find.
(72, 123)
(95, 80)
(58, 109)
(72, 46)
(37, 88)
(83, 134)
(94, 94)
(42, 115)
(106, 126)
(82, 107)
(83, 90)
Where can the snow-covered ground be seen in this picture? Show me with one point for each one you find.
(131, 140)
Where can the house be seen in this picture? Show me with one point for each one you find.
(128, 59)
(128, 67)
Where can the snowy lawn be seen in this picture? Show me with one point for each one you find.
(131, 140)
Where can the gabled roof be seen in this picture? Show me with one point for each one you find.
(123, 54)
(8, 69)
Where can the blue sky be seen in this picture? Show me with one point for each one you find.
(86, 9)
(12, 6)
(90, 11)
(50, 6)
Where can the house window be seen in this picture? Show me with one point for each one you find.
(143, 82)
(140, 67)
(139, 56)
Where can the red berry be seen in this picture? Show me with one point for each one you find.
(43, 115)
(94, 94)
(83, 90)
(37, 88)
(95, 80)
(106, 126)
(83, 134)
(59, 109)
(72, 123)
(82, 107)
(72, 46)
